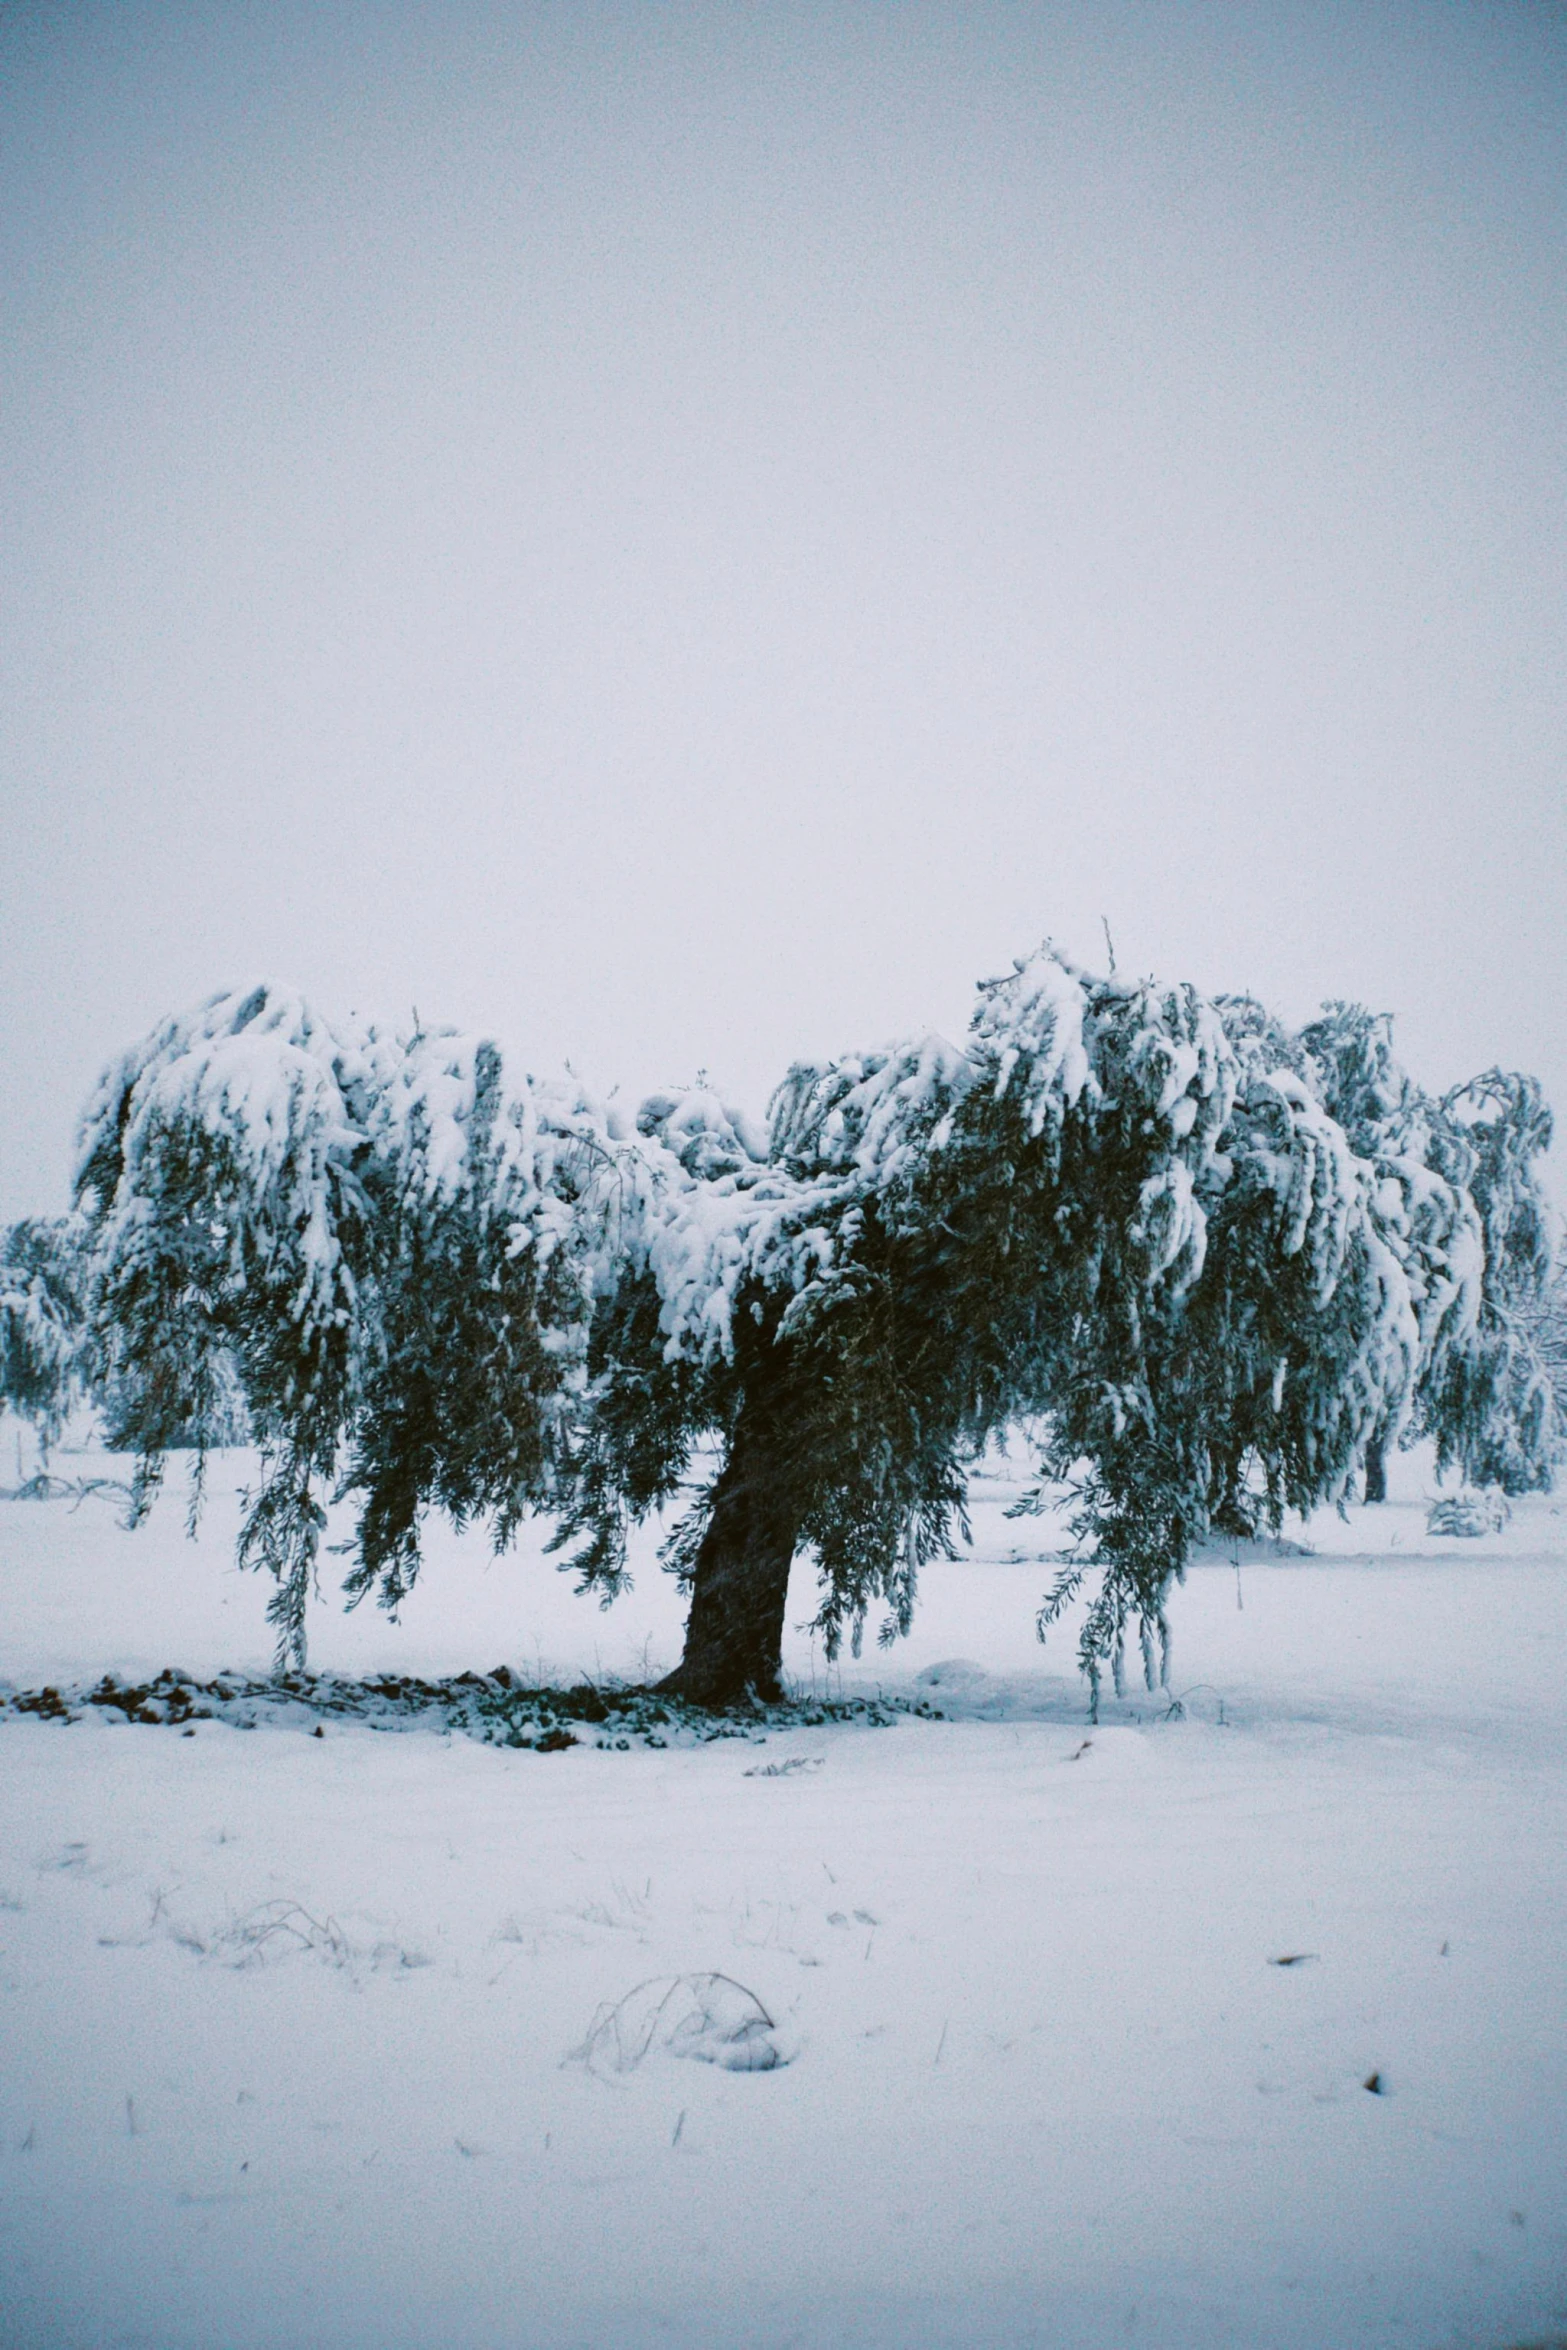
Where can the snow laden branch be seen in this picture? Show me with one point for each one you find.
(1210, 1264)
(368, 1233)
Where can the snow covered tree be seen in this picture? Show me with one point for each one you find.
(1457, 1189)
(43, 1324)
(1207, 1263)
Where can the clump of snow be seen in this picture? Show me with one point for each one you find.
(708, 2017)
(958, 1675)
(1035, 1018)
(1469, 1514)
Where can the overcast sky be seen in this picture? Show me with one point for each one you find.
(683, 536)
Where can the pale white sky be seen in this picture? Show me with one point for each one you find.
(682, 536)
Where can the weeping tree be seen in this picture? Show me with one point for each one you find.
(1202, 1262)
(1455, 1185)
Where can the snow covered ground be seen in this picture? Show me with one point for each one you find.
(290, 2026)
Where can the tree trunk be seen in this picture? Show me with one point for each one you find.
(734, 1632)
(1376, 1471)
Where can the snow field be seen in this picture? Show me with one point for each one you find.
(287, 2024)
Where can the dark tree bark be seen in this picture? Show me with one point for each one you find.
(1376, 1470)
(734, 1632)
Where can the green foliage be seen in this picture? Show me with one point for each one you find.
(1205, 1261)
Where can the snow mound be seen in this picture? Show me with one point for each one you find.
(709, 2017)
(1470, 1514)
(959, 1676)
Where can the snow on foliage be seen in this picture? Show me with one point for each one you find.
(1209, 1262)
(43, 1367)
(228, 1137)
(1031, 1025)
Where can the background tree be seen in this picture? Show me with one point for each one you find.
(1206, 1262)
(44, 1341)
(1458, 1198)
